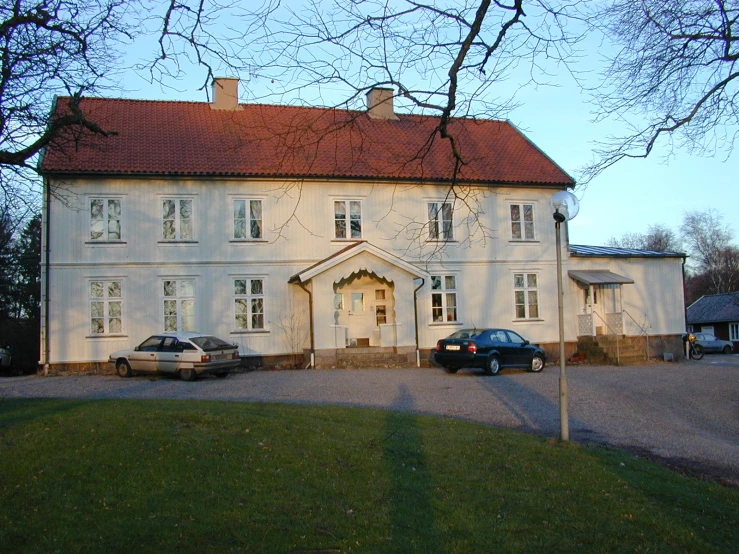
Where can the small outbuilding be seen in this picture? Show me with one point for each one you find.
(717, 314)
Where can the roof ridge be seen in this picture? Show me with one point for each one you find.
(480, 120)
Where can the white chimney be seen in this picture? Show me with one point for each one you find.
(380, 103)
(225, 93)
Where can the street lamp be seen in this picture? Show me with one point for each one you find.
(564, 207)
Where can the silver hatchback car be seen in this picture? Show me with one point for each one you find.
(185, 354)
(710, 343)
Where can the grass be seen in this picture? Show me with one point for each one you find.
(164, 476)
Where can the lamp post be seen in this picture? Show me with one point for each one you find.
(564, 207)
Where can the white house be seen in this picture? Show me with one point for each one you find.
(288, 229)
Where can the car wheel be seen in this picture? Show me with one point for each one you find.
(493, 366)
(123, 368)
(537, 364)
(222, 374)
(451, 369)
(188, 374)
(727, 349)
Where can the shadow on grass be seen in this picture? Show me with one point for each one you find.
(18, 411)
(410, 481)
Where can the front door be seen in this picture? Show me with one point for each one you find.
(362, 306)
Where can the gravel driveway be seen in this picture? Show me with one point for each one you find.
(685, 415)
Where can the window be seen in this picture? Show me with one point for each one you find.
(527, 295)
(444, 298)
(733, 331)
(105, 219)
(338, 301)
(440, 221)
(353, 210)
(522, 222)
(247, 219)
(177, 219)
(357, 302)
(380, 315)
(179, 305)
(248, 303)
(106, 307)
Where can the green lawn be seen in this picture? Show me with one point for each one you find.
(165, 476)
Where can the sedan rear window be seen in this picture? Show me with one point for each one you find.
(210, 343)
(464, 334)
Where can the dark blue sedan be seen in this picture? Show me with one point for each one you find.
(488, 349)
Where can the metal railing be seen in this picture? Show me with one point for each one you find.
(643, 330)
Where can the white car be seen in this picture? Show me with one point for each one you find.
(5, 357)
(185, 354)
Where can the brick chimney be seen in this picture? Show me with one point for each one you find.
(380, 103)
(225, 93)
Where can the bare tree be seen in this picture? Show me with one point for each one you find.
(658, 238)
(672, 75)
(464, 58)
(73, 48)
(708, 241)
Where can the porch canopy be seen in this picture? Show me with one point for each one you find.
(599, 277)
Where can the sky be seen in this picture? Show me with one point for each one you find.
(626, 198)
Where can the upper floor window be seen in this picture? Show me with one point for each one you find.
(526, 294)
(522, 222)
(440, 221)
(247, 219)
(105, 219)
(348, 219)
(177, 219)
(248, 303)
(106, 307)
(179, 304)
(444, 298)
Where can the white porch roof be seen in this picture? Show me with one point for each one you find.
(599, 277)
(350, 252)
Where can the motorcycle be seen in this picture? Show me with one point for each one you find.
(695, 350)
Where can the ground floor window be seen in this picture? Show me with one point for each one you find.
(733, 331)
(248, 303)
(443, 298)
(526, 294)
(179, 304)
(106, 307)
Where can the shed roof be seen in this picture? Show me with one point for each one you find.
(164, 138)
(614, 252)
(714, 308)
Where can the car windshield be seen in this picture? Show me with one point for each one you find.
(464, 334)
(207, 343)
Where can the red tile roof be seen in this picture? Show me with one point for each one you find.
(191, 139)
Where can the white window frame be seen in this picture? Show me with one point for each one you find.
(109, 313)
(348, 218)
(181, 300)
(734, 331)
(178, 199)
(438, 229)
(250, 299)
(248, 220)
(522, 221)
(445, 293)
(105, 237)
(526, 290)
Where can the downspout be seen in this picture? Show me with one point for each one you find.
(47, 287)
(310, 316)
(415, 319)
